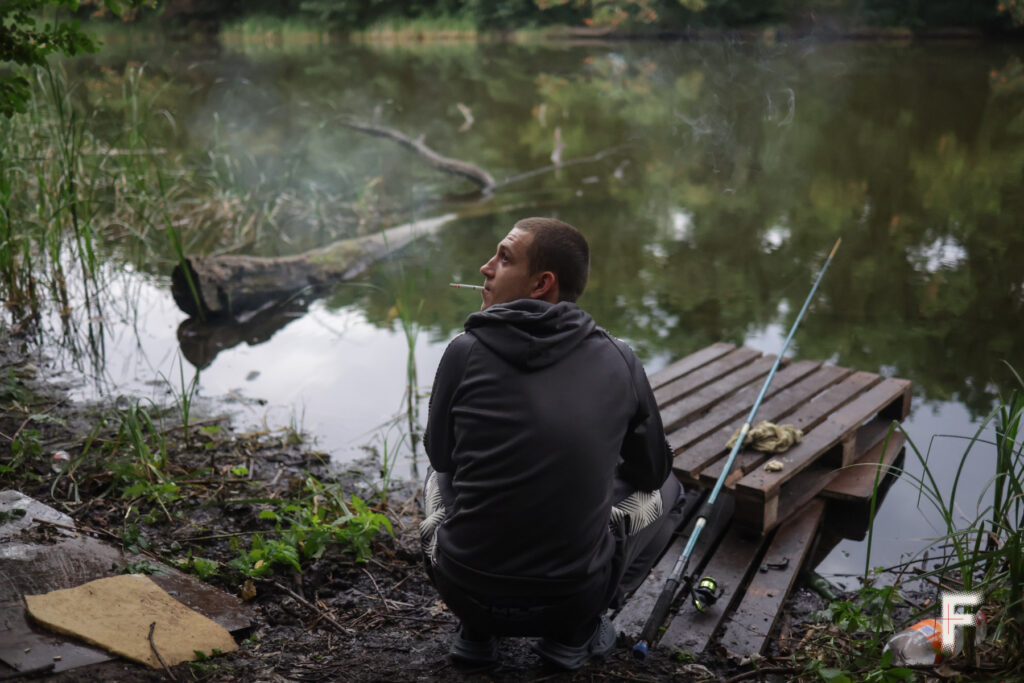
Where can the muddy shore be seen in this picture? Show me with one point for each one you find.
(337, 619)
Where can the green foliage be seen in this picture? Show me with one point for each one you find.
(132, 539)
(138, 459)
(26, 43)
(25, 448)
(200, 566)
(27, 445)
(850, 648)
(1007, 517)
(307, 527)
(264, 555)
(25, 40)
(349, 15)
(869, 611)
(142, 567)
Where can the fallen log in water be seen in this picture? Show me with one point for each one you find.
(237, 286)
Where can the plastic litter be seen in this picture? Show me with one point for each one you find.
(921, 644)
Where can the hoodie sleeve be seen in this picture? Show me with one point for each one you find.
(646, 455)
(439, 440)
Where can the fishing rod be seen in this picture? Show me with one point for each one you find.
(708, 589)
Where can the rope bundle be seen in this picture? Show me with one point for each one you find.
(769, 437)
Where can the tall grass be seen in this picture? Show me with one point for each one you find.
(92, 175)
(984, 553)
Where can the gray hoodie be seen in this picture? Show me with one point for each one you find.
(533, 411)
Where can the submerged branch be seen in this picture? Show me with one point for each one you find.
(556, 166)
(454, 166)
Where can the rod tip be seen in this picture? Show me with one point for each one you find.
(835, 248)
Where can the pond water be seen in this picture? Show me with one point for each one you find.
(713, 178)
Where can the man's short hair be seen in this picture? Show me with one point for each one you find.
(560, 248)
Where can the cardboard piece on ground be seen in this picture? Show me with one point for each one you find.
(37, 557)
(116, 613)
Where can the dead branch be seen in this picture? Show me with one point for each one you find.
(561, 164)
(442, 163)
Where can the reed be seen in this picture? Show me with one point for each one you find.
(984, 553)
(84, 169)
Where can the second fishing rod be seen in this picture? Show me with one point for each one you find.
(668, 593)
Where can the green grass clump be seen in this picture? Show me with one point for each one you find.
(306, 527)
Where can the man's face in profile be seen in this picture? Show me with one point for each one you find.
(508, 274)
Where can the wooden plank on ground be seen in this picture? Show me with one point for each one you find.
(856, 482)
(703, 454)
(748, 629)
(700, 402)
(631, 618)
(701, 377)
(691, 630)
(689, 363)
(639, 604)
(737, 406)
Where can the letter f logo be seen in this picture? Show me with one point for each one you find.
(951, 618)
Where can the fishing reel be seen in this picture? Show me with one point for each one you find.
(706, 593)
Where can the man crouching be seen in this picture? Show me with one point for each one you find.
(551, 493)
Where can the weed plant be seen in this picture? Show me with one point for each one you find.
(984, 554)
(306, 527)
(92, 174)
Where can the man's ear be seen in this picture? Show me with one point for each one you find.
(545, 287)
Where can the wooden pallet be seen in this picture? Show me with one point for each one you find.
(705, 398)
(765, 524)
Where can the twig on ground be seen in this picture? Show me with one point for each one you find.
(323, 613)
(381, 594)
(757, 672)
(159, 657)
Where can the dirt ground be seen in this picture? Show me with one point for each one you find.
(339, 619)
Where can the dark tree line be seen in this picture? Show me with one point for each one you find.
(351, 15)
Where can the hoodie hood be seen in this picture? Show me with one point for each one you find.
(529, 333)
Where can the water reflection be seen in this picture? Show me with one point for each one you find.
(735, 167)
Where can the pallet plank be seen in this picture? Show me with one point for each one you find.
(631, 618)
(698, 456)
(632, 615)
(675, 414)
(737, 406)
(702, 398)
(816, 446)
(828, 388)
(748, 629)
(691, 630)
(689, 363)
(763, 515)
(715, 370)
(856, 482)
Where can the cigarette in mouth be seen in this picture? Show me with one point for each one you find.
(459, 285)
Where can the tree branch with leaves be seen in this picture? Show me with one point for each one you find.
(32, 30)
